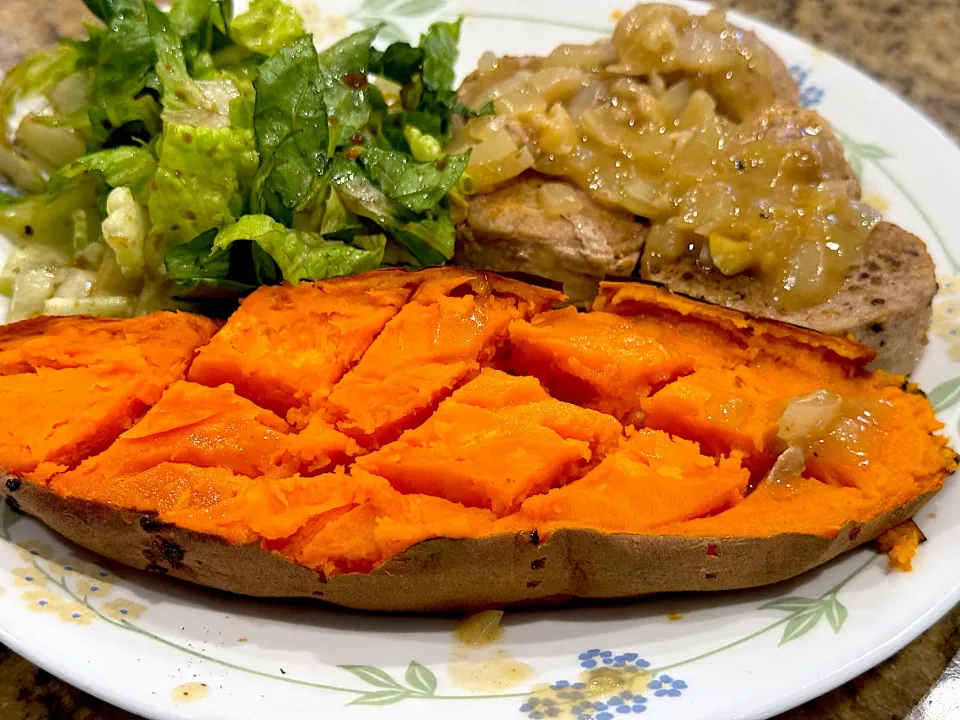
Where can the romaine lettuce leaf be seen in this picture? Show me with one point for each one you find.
(267, 26)
(189, 17)
(399, 62)
(103, 9)
(290, 121)
(429, 240)
(415, 185)
(346, 93)
(361, 197)
(127, 166)
(303, 255)
(36, 75)
(180, 91)
(197, 260)
(198, 184)
(349, 56)
(125, 53)
(437, 233)
(440, 52)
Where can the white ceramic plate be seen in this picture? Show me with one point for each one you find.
(166, 650)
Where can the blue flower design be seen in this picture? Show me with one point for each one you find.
(591, 658)
(540, 708)
(666, 686)
(631, 661)
(810, 95)
(627, 703)
(566, 699)
(566, 690)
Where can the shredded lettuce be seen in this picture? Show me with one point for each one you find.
(418, 186)
(187, 156)
(128, 166)
(304, 255)
(124, 230)
(37, 75)
(290, 120)
(180, 91)
(199, 183)
(267, 26)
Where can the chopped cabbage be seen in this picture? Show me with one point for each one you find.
(124, 230)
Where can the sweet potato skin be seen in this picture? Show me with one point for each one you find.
(444, 574)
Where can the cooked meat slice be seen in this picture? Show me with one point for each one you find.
(885, 303)
(508, 231)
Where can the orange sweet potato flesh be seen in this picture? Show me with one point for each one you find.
(319, 329)
(338, 424)
(75, 385)
(493, 443)
(435, 343)
(652, 480)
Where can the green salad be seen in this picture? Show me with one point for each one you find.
(184, 158)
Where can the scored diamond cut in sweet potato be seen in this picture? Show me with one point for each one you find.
(611, 363)
(480, 488)
(388, 524)
(161, 342)
(194, 425)
(652, 480)
(736, 409)
(71, 386)
(319, 329)
(494, 442)
(453, 326)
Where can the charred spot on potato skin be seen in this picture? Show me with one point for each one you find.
(535, 537)
(855, 532)
(712, 550)
(709, 576)
(14, 505)
(151, 524)
(876, 327)
(14, 484)
(533, 583)
(171, 552)
(152, 567)
(161, 552)
(538, 564)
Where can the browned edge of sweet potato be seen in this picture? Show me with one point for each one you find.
(448, 574)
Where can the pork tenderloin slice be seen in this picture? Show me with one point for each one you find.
(885, 302)
(507, 231)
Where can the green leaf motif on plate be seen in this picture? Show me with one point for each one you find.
(806, 613)
(945, 395)
(373, 676)
(803, 623)
(418, 7)
(791, 603)
(383, 12)
(421, 678)
(836, 613)
(381, 697)
(374, 5)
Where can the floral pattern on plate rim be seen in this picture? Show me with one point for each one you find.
(608, 683)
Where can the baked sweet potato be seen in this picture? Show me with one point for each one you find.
(452, 442)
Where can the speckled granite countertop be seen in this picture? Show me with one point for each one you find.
(911, 45)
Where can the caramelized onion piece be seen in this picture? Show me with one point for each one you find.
(808, 417)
